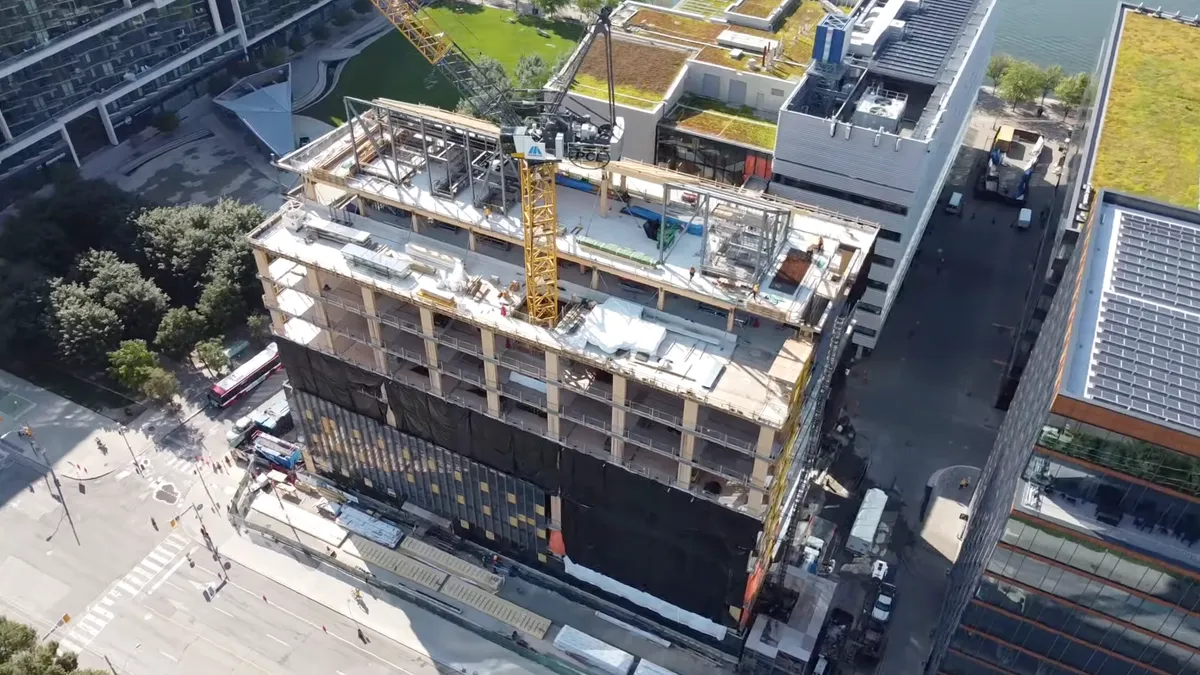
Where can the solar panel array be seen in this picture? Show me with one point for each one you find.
(1147, 349)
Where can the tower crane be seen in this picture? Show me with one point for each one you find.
(537, 141)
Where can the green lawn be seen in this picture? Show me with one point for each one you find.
(392, 68)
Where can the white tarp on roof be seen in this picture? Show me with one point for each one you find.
(371, 528)
(617, 324)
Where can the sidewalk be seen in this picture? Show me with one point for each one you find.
(79, 443)
(309, 69)
(442, 642)
(947, 505)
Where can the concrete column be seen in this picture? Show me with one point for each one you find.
(605, 177)
(216, 17)
(109, 129)
(595, 278)
(4, 131)
(729, 322)
(471, 240)
(662, 298)
(490, 372)
(241, 26)
(70, 146)
(556, 511)
(762, 468)
(417, 222)
(374, 327)
(263, 264)
(310, 189)
(687, 441)
(312, 279)
(431, 347)
(553, 423)
(618, 417)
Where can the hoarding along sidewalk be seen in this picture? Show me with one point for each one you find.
(395, 609)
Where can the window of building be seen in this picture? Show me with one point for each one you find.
(777, 92)
(709, 159)
(869, 308)
(877, 285)
(889, 235)
(841, 194)
(863, 330)
(882, 260)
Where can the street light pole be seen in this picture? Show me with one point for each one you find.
(123, 430)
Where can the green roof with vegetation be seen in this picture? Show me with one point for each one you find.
(642, 72)
(1150, 138)
(724, 122)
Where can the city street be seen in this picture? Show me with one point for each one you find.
(924, 399)
(104, 554)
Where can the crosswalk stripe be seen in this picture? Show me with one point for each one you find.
(70, 646)
(108, 600)
(159, 556)
(93, 630)
(172, 544)
(102, 612)
(94, 619)
(127, 588)
(153, 567)
(140, 573)
(176, 539)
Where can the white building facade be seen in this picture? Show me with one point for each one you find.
(875, 126)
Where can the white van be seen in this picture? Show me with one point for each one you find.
(954, 204)
(1024, 219)
(822, 667)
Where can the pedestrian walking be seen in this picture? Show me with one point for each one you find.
(964, 484)
(691, 273)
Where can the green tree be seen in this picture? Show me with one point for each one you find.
(342, 17)
(220, 302)
(1072, 92)
(998, 64)
(121, 287)
(296, 42)
(161, 385)
(362, 6)
(320, 32)
(179, 330)
(497, 87)
(167, 122)
(84, 330)
(24, 297)
(183, 245)
(15, 638)
(1020, 83)
(532, 71)
(1049, 81)
(131, 363)
(550, 7)
(274, 56)
(52, 231)
(259, 325)
(212, 354)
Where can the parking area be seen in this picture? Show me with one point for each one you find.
(924, 399)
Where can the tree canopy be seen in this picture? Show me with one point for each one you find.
(22, 654)
(1020, 83)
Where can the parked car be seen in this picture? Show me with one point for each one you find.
(882, 611)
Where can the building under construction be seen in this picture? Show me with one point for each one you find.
(650, 443)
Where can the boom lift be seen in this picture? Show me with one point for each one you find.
(537, 141)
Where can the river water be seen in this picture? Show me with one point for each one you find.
(1067, 32)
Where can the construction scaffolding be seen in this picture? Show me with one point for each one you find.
(741, 243)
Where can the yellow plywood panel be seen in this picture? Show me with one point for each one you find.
(400, 565)
(452, 564)
(518, 617)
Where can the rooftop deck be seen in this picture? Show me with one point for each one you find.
(713, 119)
(722, 370)
(1149, 143)
(810, 263)
(794, 35)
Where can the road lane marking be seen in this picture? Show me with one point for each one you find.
(211, 642)
(351, 643)
(168, 656)
(223, 612)
(277, 639)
